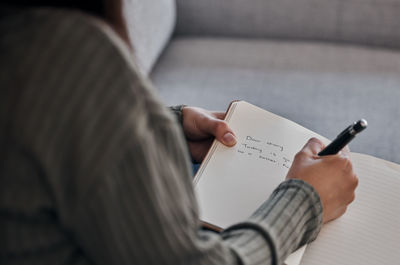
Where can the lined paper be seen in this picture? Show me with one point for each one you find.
(369, 232)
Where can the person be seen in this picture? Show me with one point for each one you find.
(95, 170)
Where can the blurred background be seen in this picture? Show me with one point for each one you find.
(321, 63)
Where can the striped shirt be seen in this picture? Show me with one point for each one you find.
(95, 170)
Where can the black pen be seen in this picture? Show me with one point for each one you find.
(344, 138)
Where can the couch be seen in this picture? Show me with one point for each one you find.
(320, 63)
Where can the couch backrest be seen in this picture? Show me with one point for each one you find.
(368, 22)
(150, 24)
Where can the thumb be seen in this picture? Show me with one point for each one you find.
(222, 132)
(313, 147)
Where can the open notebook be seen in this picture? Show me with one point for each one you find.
(233, 182)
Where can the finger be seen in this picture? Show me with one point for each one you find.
(218, 114)
(222, 132)
(355, 181)
(199, 149)
(345, 151)
(313, 146)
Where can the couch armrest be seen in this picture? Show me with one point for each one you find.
(354, 21)
(150, 26)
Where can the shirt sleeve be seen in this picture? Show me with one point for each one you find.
(177, 111)
(118, 168)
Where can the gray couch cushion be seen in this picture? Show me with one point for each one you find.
(323, 87)
(150, 23)
(368, 22)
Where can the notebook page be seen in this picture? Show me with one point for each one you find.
(237, 180)
(295, 257)
(369, 232)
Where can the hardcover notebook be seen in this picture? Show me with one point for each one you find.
(233, 182)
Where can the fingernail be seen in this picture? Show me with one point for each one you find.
(229, 139)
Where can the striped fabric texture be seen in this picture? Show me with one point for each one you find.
(95, 170)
